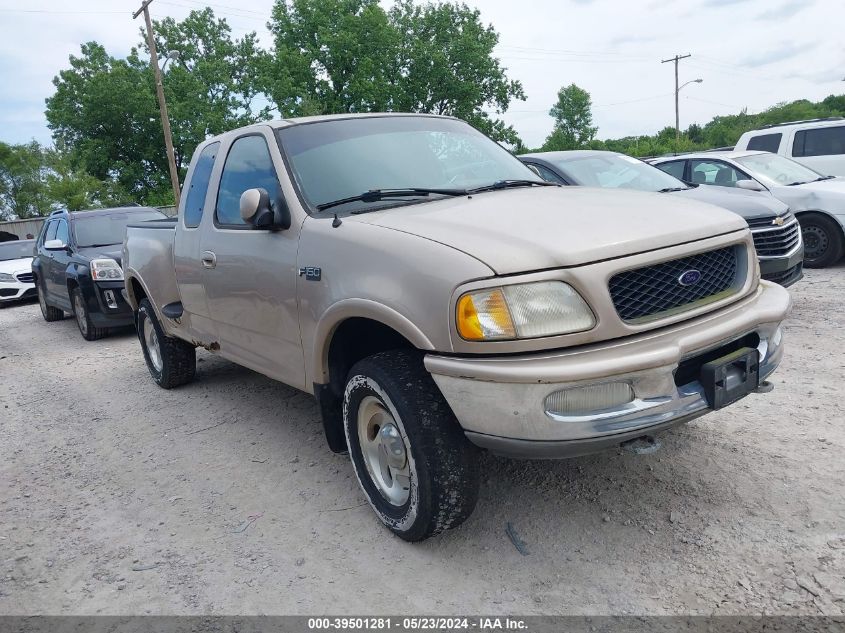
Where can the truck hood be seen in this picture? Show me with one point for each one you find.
(751, 205)
(520, 230)
(11, 266)
(825, 195)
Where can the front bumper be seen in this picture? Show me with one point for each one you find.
(16, 290)
(499, 401)
(785, 270)
(107, 306)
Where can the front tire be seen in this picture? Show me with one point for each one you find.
(823, 244)
(414, 464)
(49, 313)
(172, 362)
(89, 331)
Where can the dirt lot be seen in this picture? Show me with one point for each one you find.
(221, 498)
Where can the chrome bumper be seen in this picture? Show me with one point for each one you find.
(500, 401)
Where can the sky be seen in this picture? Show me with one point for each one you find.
(749, 53)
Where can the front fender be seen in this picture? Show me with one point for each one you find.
(345, 309)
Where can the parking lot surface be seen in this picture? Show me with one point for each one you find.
(220, 497)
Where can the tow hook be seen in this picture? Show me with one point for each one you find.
(643, 445)
(764, 387)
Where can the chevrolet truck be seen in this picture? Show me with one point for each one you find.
(437, 298)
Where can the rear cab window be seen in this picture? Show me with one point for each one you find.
(765, 142)
(821, 141)
(198, 188)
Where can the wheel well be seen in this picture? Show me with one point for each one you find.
(71, 284)
(137, 290)
(353, 340)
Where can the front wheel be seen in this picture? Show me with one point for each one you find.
(89, 331)
(823, 244)
(417, 469)
(171, 361)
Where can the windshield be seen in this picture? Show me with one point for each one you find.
(616, 171)
(333, 160)
(16, 250)
(108, 229)
(777, 170)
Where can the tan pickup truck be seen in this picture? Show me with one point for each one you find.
(436, 296)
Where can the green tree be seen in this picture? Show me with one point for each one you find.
(446, 65)
(104, 111)
(573, 120)
(333, 56)
(22, 175)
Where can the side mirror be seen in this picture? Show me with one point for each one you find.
(258, 211)
(54, 245)
(750, 185)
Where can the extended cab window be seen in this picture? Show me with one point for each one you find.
(822, 141)
(248, 166)
(765, 142)
(195, 200)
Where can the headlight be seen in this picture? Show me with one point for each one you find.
(7, 277)
(546, 308)
(106, 270)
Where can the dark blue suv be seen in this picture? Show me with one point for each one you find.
(77, 267)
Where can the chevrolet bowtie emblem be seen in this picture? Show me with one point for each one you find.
(778, 221)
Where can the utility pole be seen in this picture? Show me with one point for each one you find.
(162, 104)
(676, 59)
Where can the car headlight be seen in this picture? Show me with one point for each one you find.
(106, 269)
(545, 308)
(7, 277)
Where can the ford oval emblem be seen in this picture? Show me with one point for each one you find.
(689, 278)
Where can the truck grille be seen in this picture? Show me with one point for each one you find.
(652, 291)
(26, 278)
(777, 241)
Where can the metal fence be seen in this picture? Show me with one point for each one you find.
(32, 226)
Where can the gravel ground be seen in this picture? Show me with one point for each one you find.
(221, 497)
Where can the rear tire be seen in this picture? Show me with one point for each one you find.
(89, 331)
(49, 313)
(416, 467)
(823, 243)
(172, 362)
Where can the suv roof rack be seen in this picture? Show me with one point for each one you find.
(819, 120)
(57, 212)
(727, 148)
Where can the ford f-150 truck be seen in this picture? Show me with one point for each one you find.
(436, 296)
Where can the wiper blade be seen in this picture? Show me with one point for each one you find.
(824, 178)
(671, 189)
(374, 195)
(507, 184)
(797, 182)
(100, 245)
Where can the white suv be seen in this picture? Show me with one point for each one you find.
(817, 143)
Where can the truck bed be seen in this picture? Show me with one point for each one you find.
(148, 255)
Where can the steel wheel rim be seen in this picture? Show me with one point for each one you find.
(384, 449)
(815, 241)
(79, 311)
(151, 340)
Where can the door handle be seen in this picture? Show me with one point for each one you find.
(209, 259)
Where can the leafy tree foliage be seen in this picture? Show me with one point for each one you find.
(21, 181)
(573, 118)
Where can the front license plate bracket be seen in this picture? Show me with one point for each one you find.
(731, 377)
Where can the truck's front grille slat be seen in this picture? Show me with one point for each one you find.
(777, 241)
(653, 291)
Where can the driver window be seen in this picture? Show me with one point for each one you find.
(248, 166)
(61, 232)
(714, 172)
(51, 231)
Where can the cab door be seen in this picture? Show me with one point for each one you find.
(250, 274)
(190, 273)
(58, 263)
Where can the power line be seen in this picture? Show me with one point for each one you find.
(52, 11)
